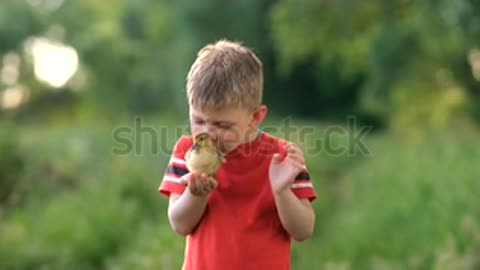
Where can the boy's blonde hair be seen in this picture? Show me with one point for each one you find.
(225, 74)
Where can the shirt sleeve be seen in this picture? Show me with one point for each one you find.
(302, 186)
(176, 168)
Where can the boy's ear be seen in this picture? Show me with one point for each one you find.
(259, 115)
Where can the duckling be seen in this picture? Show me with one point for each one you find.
(203, 156)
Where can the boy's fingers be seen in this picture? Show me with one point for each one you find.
(295, 153)
(194, 185)
(213, 183)
(201, 184)
(298, 158)
(276, 158)
(185, 179)
(298, 165)
(210, 184)
(189, 178)
(293, 148)
(201, 189)
(207, 185)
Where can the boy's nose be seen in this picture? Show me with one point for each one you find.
(213, 135)
(211, 131)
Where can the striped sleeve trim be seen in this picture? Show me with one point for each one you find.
(171, 178)
(174, 170)
(167, 188)
(302, 184)
(178, 162)
(305, 193)
(303, 176)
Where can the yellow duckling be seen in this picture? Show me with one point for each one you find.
(204, 157)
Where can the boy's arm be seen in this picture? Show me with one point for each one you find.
(296, 215)
(186, 210)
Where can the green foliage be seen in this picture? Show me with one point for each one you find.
(409, 204)
(406, 52)
(406, 196)
(154, 248)
(134, 55)
(13, 30)
(407, 65)
(11, 163)
(68, 201)
(80, 216)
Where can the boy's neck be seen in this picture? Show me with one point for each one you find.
(253, 136)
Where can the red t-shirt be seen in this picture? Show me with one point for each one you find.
(240, 228)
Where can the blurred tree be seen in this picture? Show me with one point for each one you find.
(17, 22)
(135, 55)
(411, 55)
(11, 163)
(408, 62)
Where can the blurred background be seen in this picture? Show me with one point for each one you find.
(92, 100)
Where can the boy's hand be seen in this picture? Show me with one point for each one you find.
(199, 184)
(283, 172)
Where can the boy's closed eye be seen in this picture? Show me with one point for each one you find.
(198, 119)
(224, 126)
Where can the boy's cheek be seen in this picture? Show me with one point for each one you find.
(193, 128)
(230, 137)
(227, 147)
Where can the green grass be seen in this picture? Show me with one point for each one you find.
(410, 204)
(399, 208)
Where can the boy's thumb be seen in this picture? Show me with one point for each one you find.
(276, 158)
(184, 179)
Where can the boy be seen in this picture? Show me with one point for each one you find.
(245, 216)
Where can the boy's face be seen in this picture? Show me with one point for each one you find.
(228, 128)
